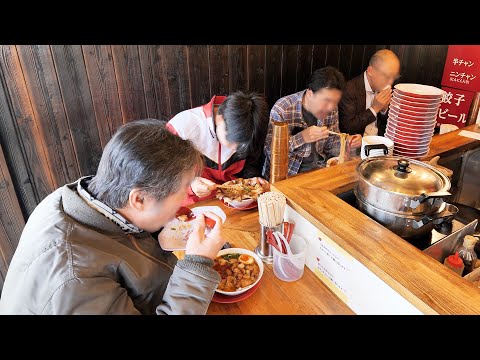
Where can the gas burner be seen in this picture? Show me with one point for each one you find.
(438, 233)
(444, 228)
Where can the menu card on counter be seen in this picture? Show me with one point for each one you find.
(332, 265)
(470, 134)
(350, 280)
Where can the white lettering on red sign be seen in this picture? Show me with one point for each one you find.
(462, 62)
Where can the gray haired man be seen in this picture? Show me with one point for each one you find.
(87, 247)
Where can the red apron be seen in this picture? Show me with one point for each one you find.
(218, 176)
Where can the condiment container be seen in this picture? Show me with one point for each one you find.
(455, 263)
(467, 253)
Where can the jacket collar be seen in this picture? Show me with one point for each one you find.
(208, 107)
(75, 207)
(208, 112)
(368, 88)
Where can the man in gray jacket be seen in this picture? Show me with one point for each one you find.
(87, 247)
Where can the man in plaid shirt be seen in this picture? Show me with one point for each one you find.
(310, 114)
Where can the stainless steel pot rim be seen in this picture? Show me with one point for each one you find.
(364, 162)
(410, 216)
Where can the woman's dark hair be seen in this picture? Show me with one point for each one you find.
(246, 121)
(144, 155)
(326, 78)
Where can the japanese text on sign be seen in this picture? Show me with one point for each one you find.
(456, 61)
(462, 68)
(447, 99)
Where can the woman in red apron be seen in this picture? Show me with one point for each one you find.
(230, 133)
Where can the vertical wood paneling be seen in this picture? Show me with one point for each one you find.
(319, 59)
(333, 55)
(436, 56)
(273, 74)
(369, 51)
(47, 103)
(77, 100)
(61, 104)
(11, 219)
(345, 60)
(19, 135)
(412, 57)
(161, 84)
(218, 58)
(198, 74)
(103, 87)
(421, 63)
(289, 69)
(256, 68)
(129, 82)
(237, 68)
(357, 66)
(177, 75)
(146, 61)
(304, 67)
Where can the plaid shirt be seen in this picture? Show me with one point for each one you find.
(289, 109)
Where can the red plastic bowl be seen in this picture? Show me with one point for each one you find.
(394, 108)
(403, 101)
(416, 109)
(397, 94)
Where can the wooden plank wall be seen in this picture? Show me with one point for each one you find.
(11, 219)
(60, 104)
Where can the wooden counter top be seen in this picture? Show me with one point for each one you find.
(449, 143)
(418, 278)
(306, 296)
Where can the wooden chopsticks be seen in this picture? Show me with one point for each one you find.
(334, 133)
(235, 186)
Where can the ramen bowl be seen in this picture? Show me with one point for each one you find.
(233, 252)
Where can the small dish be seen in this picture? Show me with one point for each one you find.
(174, 235)
(252, 205)
(238, 193)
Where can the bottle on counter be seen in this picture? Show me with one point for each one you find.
(455, 263)
(467, 253)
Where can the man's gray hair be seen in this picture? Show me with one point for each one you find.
(144, 155)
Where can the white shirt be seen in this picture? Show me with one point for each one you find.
(192, 124)
(370, 129)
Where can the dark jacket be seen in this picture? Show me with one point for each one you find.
(353, 117)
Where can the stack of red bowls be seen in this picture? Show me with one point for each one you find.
(411, 118)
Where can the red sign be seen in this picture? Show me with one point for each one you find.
(462, 67)
(454, 106)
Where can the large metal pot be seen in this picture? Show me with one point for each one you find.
(406, 196)
(408, 226)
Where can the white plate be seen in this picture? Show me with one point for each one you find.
(175, 234)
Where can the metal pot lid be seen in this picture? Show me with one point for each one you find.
(403, 176)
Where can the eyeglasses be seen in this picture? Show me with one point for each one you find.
(386, 76)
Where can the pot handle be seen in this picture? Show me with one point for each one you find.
(433, 195)
(374, 147)
(436, 218)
